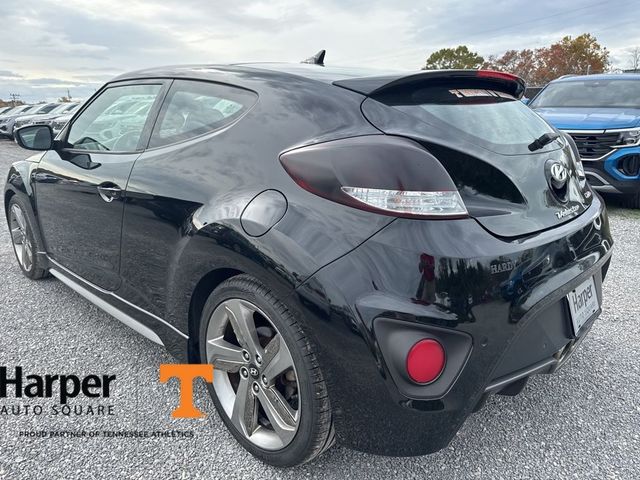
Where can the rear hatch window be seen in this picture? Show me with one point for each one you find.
(491, 119)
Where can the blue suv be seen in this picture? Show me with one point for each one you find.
(602, 114)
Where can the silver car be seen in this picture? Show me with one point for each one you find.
(6, 120)
(40, 109)
(58, 123)
(47, 118)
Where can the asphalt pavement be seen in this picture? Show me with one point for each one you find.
(583, 422)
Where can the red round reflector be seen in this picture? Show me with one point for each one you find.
(425, 361)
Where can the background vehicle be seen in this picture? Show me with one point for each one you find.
(45, 118)
(7, 119)
(359, 256)
(58, 123)
(9, 126)
(602, 114)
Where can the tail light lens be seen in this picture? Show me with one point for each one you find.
(378, 173)
(409, 203)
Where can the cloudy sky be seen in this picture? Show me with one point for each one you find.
(49, 46)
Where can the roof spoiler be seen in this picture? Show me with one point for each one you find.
(371, 86)
(317, 59)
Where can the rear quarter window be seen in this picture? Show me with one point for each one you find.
(193, 108)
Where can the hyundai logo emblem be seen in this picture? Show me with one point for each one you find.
(557, 177)
(558, 173)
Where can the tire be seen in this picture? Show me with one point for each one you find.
(24, 228)
(307, 407)
(631, 200)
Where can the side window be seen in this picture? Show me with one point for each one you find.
(193, 108)
(114, 120)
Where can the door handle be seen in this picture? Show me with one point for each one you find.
(109, 192)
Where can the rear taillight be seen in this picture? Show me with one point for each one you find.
(378, 173)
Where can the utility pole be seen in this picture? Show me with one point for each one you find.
(14, 98)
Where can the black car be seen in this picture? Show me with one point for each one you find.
(363, 257)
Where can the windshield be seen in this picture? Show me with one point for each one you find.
(45, 108)
(15, 110)
(63, 107)
(70, 108)
(590, 94)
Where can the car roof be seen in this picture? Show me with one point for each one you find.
(313, 72)
(366, 81)
(328, 74)
(598, 77)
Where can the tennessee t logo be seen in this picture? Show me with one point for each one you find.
(186, 373)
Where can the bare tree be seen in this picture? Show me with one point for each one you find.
(635, 58)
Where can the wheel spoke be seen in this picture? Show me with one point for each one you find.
(245, 413)
(224, 355)
(23, 257)
(241, 318)
(277, 358)
(17, 236)
(26, 254)
(19, 248)
(19, 216)
(279, 413)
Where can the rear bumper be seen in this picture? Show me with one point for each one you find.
(606, 174)
(483, 298)
(545, 366)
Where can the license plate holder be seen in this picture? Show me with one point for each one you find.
(583, 304)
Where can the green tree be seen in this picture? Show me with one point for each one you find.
(459, 57)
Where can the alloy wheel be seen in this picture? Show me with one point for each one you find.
(20, 237)
(255, 378)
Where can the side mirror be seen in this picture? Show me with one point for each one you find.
(525, 100)
(35, 137)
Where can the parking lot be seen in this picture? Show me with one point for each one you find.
(583, 422)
